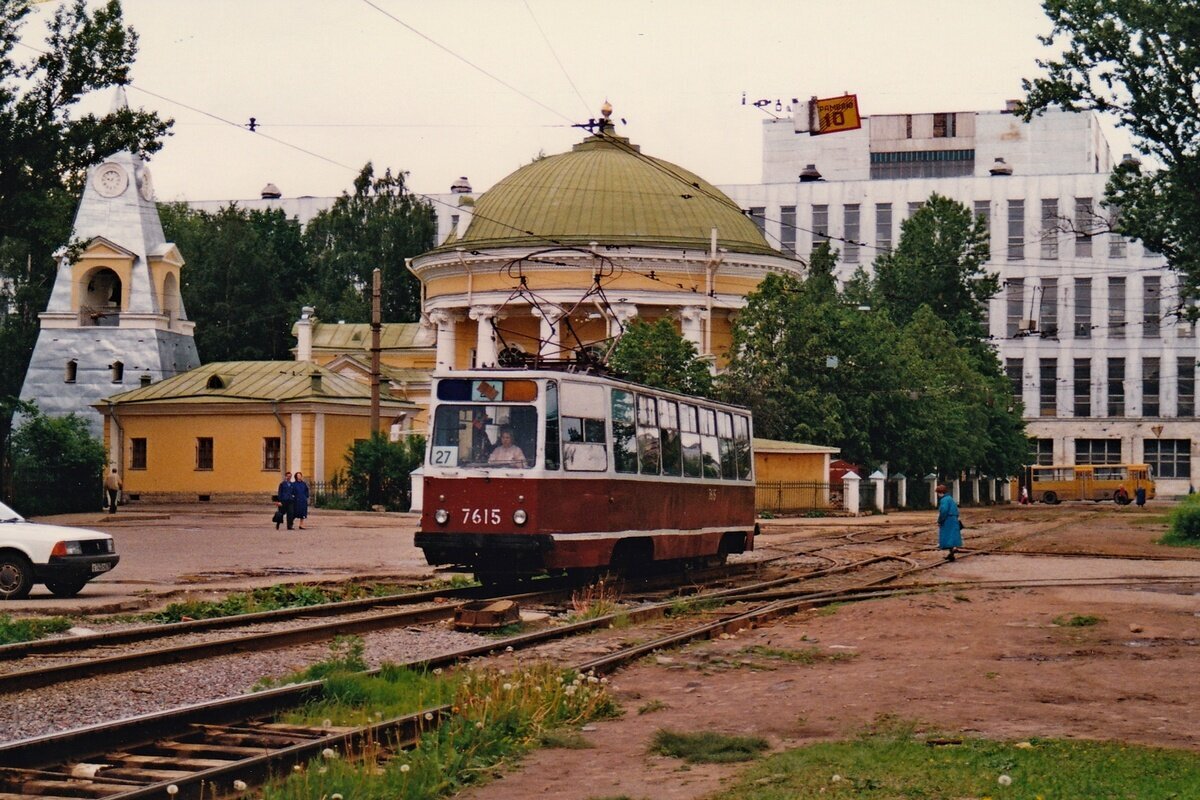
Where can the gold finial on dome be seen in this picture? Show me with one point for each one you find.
(606, 109)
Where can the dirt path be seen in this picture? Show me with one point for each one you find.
(983, 662)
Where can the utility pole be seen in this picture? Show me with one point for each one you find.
(376, 326)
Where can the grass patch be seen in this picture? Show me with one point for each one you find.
(652, 706)
(683, 606)
(30, 628)
(829, 610)
(901, 765)
(807, 656)
(708, 747)
(1077, 621)
(598, 599)
(495, 716)
(1184, 522)
(272, 598)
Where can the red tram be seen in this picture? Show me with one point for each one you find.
(531, 471)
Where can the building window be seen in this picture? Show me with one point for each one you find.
(883, 227)
(787, 229)
(903, 164)
(1041, 451)
(1084, 219)
(1185, 328)
(72, 371)
(1014, 368)
(1083, 308)
(1116, 387)
(758, 215)
(1047, 387)
(983, 208)
(1016, 230)
(118, 371)
(1150, 387)
(1015, 301)
(820, 224)
(943, 126)
(914, 207)
(204, 452)
(272, 453)
(1097, 451)
(1151, 306)
(1117, 245)
(1048, 313)
(1050, 228)
(1169, 458)
(1186, 383)
(1116, 308)
(851, 232)
(1083, 387)
(137, 453)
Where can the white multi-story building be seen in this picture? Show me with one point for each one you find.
(1087, 323)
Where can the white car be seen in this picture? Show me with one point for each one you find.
(62, 558)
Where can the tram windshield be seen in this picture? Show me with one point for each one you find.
(484, 436)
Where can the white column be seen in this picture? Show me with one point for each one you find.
(1006, 491)
(294, 438)
(623, 313)
(954, 490)
(485, 337)
(932, 480)
(850, 482)
(901, 490)
(691, 325)
(319, 447)
(447, 340)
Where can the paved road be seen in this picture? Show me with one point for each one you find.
(201, 550)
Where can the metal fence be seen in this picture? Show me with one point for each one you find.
(336, 494)
(779, 497)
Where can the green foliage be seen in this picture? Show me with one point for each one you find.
(389, 464)
(1138, 61)
(343, 684)
(901, 765)
(708, 747)
(57, 466)
(246, 271)
(268, 598)
(380, 225)
(653, 353)
(1077, 621)
(30, 629)
(1184, 522)
(46, 146)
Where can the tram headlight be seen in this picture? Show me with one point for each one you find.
(442, 516)
(519, 516)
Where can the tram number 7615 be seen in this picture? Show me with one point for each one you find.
(481, 516)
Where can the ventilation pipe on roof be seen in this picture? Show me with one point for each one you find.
(810, 174)
(461, 186)
(144, 379)
(304, 333)
(315, 382)
(1000, 168)
(271, 192)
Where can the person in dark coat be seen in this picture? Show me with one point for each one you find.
(300, 499)
(1139, 496)
(286, 497)
(949, 527)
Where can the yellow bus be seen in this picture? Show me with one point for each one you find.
(1116, 482)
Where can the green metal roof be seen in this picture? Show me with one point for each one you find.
(347, 337)
(251, 381)
(605, 190)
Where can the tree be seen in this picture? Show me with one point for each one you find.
(654, 354)
(1138, 60)
(389, 464)
(380, 226)
(57, 465)
(246, 273)
(46, 146)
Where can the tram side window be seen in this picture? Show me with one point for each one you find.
(624, 432)
(741, 443)
(584, 444)
(728, 452)
(552, 454)
(668, 426)
(647, 435)
(710, 450)
(689, 437)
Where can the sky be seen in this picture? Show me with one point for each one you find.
(478, 88)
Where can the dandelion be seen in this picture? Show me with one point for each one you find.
(378, 715)
(329, 752)
(508, 649)
(405, 767)
(593, 679)
(239, 786)
(295, 768)
(172, 790)
(604, 681)
(560, 678)
(326, 723)
(571, 689)
(478, 726)
(508, 687)
(335, 796)
(1004, 780)
(428, 716)
(502, 672)
(836, 779)
(437, 670)
(322, 770)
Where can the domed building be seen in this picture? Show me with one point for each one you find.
(565, 251)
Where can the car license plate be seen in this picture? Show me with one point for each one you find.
(101, 567)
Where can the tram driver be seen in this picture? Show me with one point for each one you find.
(507, 453)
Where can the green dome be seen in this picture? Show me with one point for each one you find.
(606, 191)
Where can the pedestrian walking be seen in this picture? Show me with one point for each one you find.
(949, 527)
(1139, 496)
(285, 497)
(299, 499)
(112, 490)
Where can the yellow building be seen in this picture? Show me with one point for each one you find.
(790, 476)
(231, 429)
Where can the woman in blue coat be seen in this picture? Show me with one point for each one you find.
(949, 528)
(300, 499)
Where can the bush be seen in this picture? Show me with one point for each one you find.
(57, 466)
(1185, 520)
(391, 463)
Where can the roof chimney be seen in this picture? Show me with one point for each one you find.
(144, 379)
(315, 382)
(461, 186)
(304, 327)
(1000, 168)
(1130, 160)
(809, 174)
(271, 192)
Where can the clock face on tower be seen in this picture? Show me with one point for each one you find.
(110, 179)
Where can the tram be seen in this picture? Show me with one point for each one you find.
(531, 471)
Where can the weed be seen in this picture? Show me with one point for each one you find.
(1077, 621)
(652, 706)
(685, 606)
(829, 610)
(815, 513)
(807, 656)
(269, 598)
(595, 600)
(29, 629)
(708, 747)
(1185, 522)
(345, 658)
